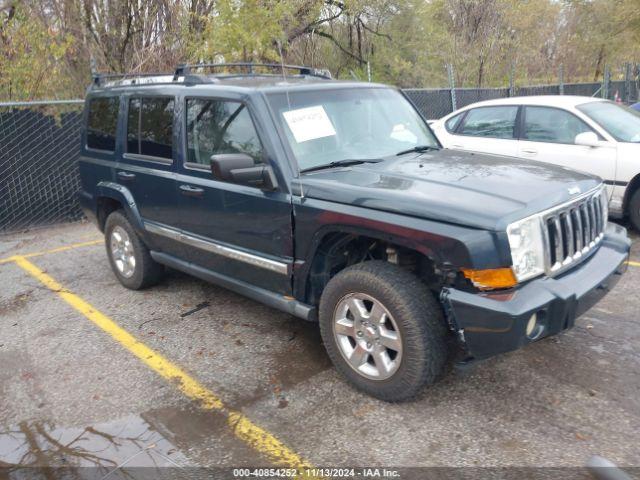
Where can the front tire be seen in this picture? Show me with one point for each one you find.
(129, 257)
(634, 210)
(383, 330)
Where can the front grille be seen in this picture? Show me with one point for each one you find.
(573, 230)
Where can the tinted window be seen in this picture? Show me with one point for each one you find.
(493, 122)
(215, 127)
(102, 123)
(133, 126)
(552, 125)
(150, 126)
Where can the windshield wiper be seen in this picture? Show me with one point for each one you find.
(341, 163)
(418, 148)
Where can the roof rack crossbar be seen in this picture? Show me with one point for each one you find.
(100, 80)
(184, 73)
(250, 66)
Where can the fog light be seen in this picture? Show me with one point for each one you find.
(535, 325)
(531, 325)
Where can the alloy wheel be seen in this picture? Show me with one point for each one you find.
(122, 252)
(367, 336)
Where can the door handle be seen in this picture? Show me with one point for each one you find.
(126, 176)
(191, 191)
(530, 151)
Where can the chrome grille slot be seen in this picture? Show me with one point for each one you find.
(573, 230)
(579, 231)
(592, 221)
(587, 223)
(568, 233)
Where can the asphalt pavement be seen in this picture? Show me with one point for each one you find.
(212, 379)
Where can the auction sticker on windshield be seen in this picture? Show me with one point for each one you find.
(309, 123)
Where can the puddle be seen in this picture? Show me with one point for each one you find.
(104, 450)
(152, 445)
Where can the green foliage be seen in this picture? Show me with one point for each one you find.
(246, 31)
(32, 62)
(47, 46)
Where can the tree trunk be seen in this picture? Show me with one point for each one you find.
(599, 64)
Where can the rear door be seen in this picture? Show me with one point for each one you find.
(488, 130)
(548, 135)
(240, 231)
(147, 167)
(99, 146)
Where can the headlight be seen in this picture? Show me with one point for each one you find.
(527, 247)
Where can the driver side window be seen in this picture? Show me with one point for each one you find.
(552, 125)
(218, 126)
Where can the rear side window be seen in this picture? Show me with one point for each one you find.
(150, 127)
(216, 126)
(543, 124)
(102, 123)
(491, 122)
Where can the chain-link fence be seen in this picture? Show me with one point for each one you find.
(39, 145)
(39, 149)
(435, 103)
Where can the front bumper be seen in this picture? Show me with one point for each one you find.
(495, 322)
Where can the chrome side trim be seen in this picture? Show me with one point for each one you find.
(218, 249)
(164, 231)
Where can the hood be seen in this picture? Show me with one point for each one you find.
(465, 188)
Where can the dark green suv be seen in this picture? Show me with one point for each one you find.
(335, 202)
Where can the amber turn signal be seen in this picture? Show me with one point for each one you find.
(491, 279)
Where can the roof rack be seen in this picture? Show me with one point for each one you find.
(184, 74)
(249, 68)
(122, 79)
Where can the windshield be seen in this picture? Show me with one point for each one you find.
(621, 122)
(325, 126)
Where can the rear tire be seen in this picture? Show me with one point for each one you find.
(129, 257)
(395, 342)
(634, 210)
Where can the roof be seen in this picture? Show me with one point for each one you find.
(240, 84)
(244, 75)
(551, 100)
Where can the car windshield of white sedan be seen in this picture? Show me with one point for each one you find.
(341, 125)
(621, 122)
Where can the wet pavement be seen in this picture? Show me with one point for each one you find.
(72, 397)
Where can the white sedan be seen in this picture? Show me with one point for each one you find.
(583, 133)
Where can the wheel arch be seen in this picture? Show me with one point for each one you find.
(632, 187)
(336, 247)
(112, 196)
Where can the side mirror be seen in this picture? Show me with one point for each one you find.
(240, 168)
(587, 139)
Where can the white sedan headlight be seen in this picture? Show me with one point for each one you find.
(527, 247)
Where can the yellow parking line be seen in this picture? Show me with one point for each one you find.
(256, 437)
(54, 250)
(635, 264)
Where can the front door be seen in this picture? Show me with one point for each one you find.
(236, 230)
(548, 135)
